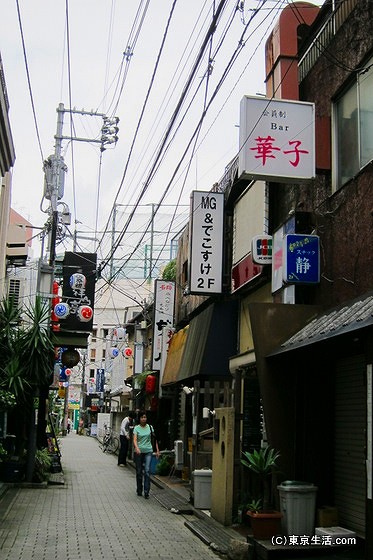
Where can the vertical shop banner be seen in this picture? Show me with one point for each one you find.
(164, 304)
(277, 140)
(100, 380)
(206, 243)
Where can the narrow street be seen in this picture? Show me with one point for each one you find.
(96, 514)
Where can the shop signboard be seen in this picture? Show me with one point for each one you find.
(164, 304)
(277, 140)
(301, 259)
(206, 242)
(100, 380)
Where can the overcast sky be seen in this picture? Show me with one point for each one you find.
(79, 61)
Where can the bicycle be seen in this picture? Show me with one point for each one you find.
(110, 442)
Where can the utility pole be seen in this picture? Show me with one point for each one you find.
(55, 170)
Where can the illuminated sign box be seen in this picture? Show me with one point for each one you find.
(244, 272)
(301, 259)
(277, 140)
(261, 249)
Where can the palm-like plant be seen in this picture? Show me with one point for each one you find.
(37, 343)
(26, 364)
(262, 462)
(25, 348)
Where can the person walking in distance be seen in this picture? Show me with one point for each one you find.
(143, 434)
(124, 436)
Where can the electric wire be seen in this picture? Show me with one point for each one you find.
(70, 101)
(29, 80)
(241, 44)
(175, 113)
(142, 112)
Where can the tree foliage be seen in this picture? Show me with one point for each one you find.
(169, 272)
(26, 349)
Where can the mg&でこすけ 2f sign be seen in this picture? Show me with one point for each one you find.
(206, 242)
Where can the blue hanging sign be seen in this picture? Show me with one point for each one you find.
(100, 380)
(301, 259)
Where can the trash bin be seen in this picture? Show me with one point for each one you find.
(298, 507)
(202, 488)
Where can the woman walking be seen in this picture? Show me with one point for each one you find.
(143, 434)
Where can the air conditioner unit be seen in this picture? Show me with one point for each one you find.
(179, 454)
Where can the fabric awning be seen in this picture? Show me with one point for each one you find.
(204, 347)
(174, 356)
(349, 317)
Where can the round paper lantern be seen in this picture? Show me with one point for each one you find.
(114, 352)
(77, 281)
(85, 313)
(150, 384)
(127, 352)
(61, 310)
(70, 357)
(120, 333)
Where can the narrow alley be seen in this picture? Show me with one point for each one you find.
(95, 514)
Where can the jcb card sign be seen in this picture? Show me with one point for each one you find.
(206, 242)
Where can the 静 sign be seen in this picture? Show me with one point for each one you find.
(277, 140)
(206, 242)
(301, 259)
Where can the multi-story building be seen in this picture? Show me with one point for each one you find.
(301, 370)
(7, 158)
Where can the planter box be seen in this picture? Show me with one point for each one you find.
(12, 471)
(265, 525)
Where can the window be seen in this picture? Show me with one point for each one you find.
(354, 127)
(105, 333)
(14, 289)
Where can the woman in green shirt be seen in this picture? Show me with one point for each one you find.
(142, 442)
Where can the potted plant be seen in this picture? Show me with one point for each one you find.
(43, 463)
(265, 522)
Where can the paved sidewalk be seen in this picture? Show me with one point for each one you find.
(96, 514)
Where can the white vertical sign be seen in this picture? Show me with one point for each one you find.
(164, 303)
(206, 242)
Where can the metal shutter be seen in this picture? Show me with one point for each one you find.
(350, 442)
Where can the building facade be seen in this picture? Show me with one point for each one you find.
(300, 362)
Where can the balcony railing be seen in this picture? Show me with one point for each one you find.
(324, 35)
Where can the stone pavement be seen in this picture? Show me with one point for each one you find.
(95, 514)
